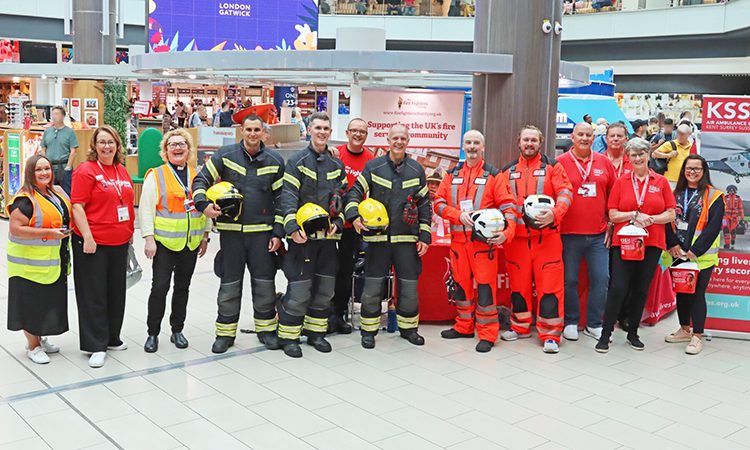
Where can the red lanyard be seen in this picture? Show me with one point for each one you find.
(639, 198)
(584, 174)
(118, 189)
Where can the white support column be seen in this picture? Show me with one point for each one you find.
(355, 101)
(146, 92)
(58, 91)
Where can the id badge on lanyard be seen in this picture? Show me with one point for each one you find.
(123, 213)
(587, 189)
(189, 203)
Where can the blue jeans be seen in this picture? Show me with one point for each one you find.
(591, 247)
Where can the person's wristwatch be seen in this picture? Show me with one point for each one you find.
(207, 239)
(68, 168)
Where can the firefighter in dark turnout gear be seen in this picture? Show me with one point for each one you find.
(399, 183)
(314, 176)
(252, 240)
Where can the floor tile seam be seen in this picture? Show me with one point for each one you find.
(174, 436)
(133, 374)
(30, 427)
(89, 421)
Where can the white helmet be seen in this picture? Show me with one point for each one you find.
(535, 205)
(487, 223)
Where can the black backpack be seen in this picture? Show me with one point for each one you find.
(659, 165)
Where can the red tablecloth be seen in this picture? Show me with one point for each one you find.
(433, 296)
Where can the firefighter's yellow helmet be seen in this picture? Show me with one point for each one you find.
(374, 215)
(227, 197)
(313, 218)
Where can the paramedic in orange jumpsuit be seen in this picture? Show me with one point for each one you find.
(733, 214)
(535, 254)
(471, 186)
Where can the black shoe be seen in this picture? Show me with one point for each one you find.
(337, 324)
(635, 342)
(451, 333)
(320, 343)
(269, 339)
(368, 341)
(603, 345)
(413, 337)
(152, 344)
(179, 340)
(292, 349)
(222, 344)
(484, 346)
(726, 246)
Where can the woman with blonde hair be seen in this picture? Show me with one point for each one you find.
(39, 259)
(176, 235)
(103, 216)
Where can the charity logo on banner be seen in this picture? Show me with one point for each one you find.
(187, 25)
(725, 143)
(434, 119)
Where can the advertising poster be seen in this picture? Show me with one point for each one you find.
(75, 109)
(187, 25)
(434, 118)
(14, 163)
(725, 143)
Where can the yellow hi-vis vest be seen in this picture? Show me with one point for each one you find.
(711, 257)
(38, 260)
(173, 226)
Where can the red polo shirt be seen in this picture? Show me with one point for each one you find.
(658, 198)
(354, 163)
(97, 189)
(624, 168)
(588, 212)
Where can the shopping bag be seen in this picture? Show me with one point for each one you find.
(134, 271)
(661, 298)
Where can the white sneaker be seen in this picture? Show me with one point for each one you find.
(48, 346)
(570, 332)
(97, 359)
(595, 333)
(550, 346)
(695, 346)
(117, 348)
(37, 355)
(511, 335)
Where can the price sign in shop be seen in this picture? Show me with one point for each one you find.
(14, 163)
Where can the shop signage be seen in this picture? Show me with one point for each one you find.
(215, 137)
(212, 91)
(142, 107)
(725, 143)
(197, 91)
(14, 163)
(170, 90)
(189, 25)
(183, 91)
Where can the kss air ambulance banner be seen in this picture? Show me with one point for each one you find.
(725, 143)
(185, 25)
(434, 119)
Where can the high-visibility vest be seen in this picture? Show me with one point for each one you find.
(711, 257)
(174, 227)
(38, 260)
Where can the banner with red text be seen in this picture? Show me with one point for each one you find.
(434, 119)
(725, 143)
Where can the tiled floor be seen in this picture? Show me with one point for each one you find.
(442, 395)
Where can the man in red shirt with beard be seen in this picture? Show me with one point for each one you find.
(354, 155)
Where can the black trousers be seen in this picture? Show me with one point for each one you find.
(407, 264)
(692, 307)
(348, 249)
(631, 278)
(311, 271)
(100, 287)
(168, 262)
(240, 251)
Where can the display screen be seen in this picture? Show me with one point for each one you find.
(186, 25)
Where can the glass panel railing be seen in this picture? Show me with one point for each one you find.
(466, 8)
(452, 8)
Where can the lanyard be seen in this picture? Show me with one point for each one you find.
(184, 188)
(584, 174)
(117, 176)
(639, 198)
(687, 202)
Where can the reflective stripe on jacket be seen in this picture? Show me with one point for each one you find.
(38, 260)
(173, 226)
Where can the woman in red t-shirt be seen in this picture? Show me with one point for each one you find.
(102, 198)
(642, 199)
